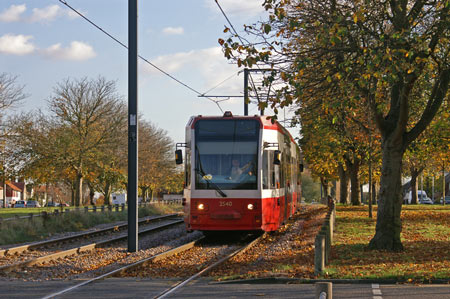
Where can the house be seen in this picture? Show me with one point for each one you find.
(14, 192)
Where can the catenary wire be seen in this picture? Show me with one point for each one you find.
(144, 59)
(234, 74)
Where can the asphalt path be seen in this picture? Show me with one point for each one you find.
(112, 288)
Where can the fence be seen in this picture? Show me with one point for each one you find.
(94, 209)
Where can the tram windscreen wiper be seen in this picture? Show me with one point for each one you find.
(203, 174)
(217, 188)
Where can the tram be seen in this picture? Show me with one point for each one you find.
(242, 173)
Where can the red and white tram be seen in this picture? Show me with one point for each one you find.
(242, 173)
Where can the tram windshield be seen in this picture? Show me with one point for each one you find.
(226, 154)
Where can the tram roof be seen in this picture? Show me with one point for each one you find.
(265, 121)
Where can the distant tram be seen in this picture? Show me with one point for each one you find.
(242, 173)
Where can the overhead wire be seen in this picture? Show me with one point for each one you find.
(240, 39)
(229, 22)
(144, 59)
(234, 74)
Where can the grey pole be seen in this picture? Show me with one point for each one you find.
(132, 126)
(246, 91)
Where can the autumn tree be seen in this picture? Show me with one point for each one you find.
(156, 166)
(90, 113)
(11, 94)
(376, 52)
(108, 173)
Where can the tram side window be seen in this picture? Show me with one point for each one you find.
(265, 170)
(274, 172)
(271, 172)
(188, 168)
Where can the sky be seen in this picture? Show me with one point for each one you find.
(44, 42)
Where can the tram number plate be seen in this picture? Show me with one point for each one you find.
(225, 203)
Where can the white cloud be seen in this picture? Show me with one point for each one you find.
(173, 30)
(208, 64)
(46, 14)
(13, 13)
(16, 44)
(237, 8)
(78, 51)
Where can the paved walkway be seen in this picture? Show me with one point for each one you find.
(144, 288)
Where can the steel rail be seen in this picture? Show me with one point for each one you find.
(207, 269)
(77, 250)
(23, 248)
(140, 263)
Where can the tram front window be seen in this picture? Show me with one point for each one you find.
(226, 154)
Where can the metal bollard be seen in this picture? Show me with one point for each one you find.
(324, 290)
(109, 208)
(117, 208)
(30, 216)
(95, 209)
(319, 254)
(67, 211)
(86, 209)
(103, 209)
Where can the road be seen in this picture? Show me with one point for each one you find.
(144, 288)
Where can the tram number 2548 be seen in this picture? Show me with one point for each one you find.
(225, 203)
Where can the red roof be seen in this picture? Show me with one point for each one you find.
(16, 186)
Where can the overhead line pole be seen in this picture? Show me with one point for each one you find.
(246, 97)
(246, 91)
(132, 126)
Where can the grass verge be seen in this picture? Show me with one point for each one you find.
(39, 228)
(425, 237)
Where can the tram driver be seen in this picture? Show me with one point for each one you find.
(237, 171)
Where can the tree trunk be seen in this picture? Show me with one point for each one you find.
(91, 195)
(353, 169)
(374, 194)
(107, 194)
(413, 185)
(324, 186)
(46, 194)
(4, 193)
(389, 225)
(79, 190)
(343, 184)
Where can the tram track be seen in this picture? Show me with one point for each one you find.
(210, 266)
(231, 251)
(28, 258)
(15, 250)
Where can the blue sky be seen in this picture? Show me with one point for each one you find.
(43, 42)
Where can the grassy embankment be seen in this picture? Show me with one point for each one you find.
(24, 230)
(425, 237)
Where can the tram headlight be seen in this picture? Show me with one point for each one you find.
(250, 206)
(201, 207)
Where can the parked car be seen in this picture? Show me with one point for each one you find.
(8, 205)
(421, 194)
(447, 200)
(21, 204)
(425, 201)
(52, 204)
(33, 204)
(63, 204)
